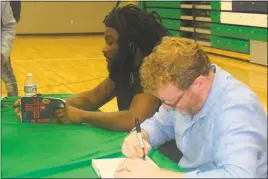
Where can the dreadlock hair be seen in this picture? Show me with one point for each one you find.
(136, 28)
(137, 25)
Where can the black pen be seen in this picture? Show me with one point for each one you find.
(138, 129)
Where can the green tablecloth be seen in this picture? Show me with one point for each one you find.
(56, 150)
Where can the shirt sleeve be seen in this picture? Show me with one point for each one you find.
(160, 127)
(8, 29)
(240, 144)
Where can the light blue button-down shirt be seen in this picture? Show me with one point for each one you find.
(227, 138)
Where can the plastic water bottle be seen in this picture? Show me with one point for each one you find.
(30, 88)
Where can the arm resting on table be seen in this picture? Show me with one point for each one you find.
(95, 98)
(142, 106)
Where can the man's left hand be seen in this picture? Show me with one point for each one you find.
(137, 168)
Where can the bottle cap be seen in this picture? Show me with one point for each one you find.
(29, 74)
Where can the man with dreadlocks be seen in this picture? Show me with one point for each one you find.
(130, 34)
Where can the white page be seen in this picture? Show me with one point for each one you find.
(105, 168)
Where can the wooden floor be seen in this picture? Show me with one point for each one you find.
(74, 64)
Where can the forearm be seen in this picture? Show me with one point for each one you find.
(80, 101)
(117, 121)
(95, 98)
(86, 101)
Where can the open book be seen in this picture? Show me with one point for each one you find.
(105, 168)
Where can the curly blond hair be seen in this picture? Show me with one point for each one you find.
(176, 60)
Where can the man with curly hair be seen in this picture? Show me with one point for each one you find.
(218, 123)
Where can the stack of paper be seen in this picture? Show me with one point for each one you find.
(105, 168)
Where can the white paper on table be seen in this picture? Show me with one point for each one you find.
(105, 168)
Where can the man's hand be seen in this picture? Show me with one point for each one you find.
(131, 146)
(69, 114)
(137, 168)
(17, 106)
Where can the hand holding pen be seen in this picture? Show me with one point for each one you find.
(139, 134)
(133, 147)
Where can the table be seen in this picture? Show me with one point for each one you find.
(56, 150)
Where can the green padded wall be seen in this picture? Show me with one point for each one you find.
(228, 36)
(241, 46)
(168, 4)
(247, 33)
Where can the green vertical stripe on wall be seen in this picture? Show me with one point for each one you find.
(215, 16)
(215, 5)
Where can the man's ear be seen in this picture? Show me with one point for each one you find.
(199, 83)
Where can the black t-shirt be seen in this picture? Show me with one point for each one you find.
(126, 91)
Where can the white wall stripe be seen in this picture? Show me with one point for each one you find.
(226, 6)
(247, 19)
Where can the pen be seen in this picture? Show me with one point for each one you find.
(138, 129)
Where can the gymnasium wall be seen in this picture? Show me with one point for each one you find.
(235, 28)
(63, 17)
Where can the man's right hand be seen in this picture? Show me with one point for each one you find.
(69, 114)
(131, 146)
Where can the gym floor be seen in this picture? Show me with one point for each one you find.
(72, 64)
